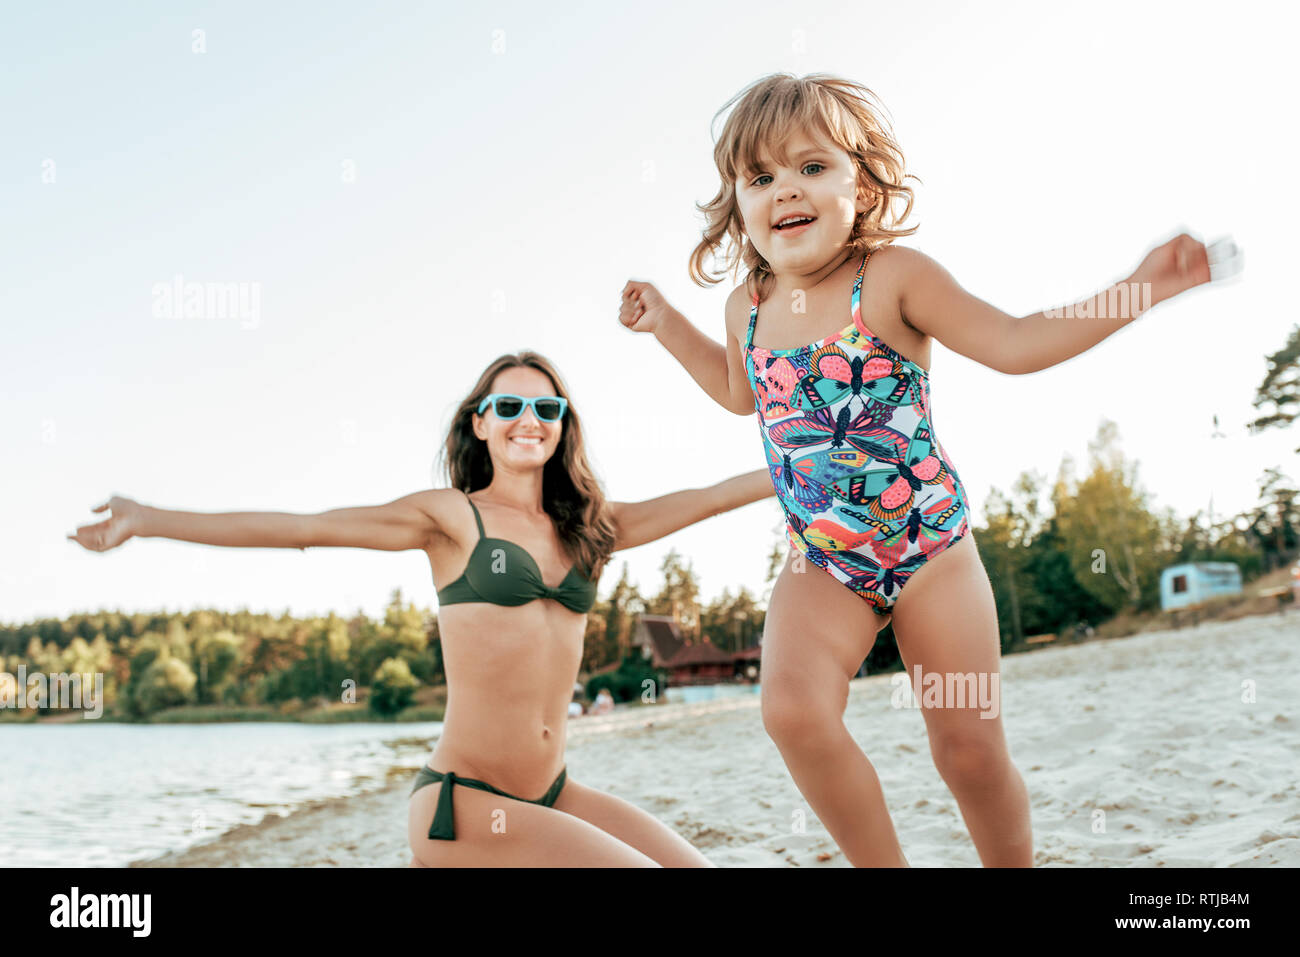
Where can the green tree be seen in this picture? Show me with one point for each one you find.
(1005, 557)
(610, 623)
(392, 689)
(324, 664)
(732, 622)
(679, 595)
(1280, 389)
(216, 656)
(404, 633)
(1110, 535)
(628, 681)
(1278, 517)
(167, 682)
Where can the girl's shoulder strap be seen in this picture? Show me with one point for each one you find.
(863, 268)
(753, 319)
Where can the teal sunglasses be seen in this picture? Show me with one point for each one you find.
(547, 408)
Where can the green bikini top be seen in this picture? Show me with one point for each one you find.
(501, 573)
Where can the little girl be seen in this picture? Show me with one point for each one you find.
(876, 515)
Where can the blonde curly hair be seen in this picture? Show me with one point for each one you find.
(770, 111)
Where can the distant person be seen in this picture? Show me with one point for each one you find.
(604, 702)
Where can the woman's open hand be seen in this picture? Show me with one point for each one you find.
(1175, 267)
(122, 523)
(643, 309)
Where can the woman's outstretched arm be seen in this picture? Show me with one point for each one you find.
(232, 529)
(407, 522)
(641, 522)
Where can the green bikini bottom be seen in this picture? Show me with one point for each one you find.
(443, 827)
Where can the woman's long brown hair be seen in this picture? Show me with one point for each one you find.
(571, 495)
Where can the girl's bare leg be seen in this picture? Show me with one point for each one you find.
(945, 621)
(817, 634)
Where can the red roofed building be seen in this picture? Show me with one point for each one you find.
(658, 638)
(688, 662)
(703, 663)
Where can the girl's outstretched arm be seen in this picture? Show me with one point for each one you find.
(407, 522)
(719, 370)
(641, 522)
(1050, 337)
(932, 302)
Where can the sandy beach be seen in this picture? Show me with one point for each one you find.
(1157, 732)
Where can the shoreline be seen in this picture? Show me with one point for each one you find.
(1151, 740)
(307, 817)
(306, 716)
(1224, 610)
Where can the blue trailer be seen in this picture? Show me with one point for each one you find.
(1190, 584)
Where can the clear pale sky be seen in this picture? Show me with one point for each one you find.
(418, 188)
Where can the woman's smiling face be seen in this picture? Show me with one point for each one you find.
(821, 184)
(526, 442)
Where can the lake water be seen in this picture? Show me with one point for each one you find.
(100, 794)
(690, 694)
(96, 794)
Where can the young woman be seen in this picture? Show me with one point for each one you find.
(516, 544)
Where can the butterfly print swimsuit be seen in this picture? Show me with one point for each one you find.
(867, 492)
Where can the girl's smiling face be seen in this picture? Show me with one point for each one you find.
(821, 184)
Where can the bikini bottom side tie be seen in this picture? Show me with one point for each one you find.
(443, 827)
